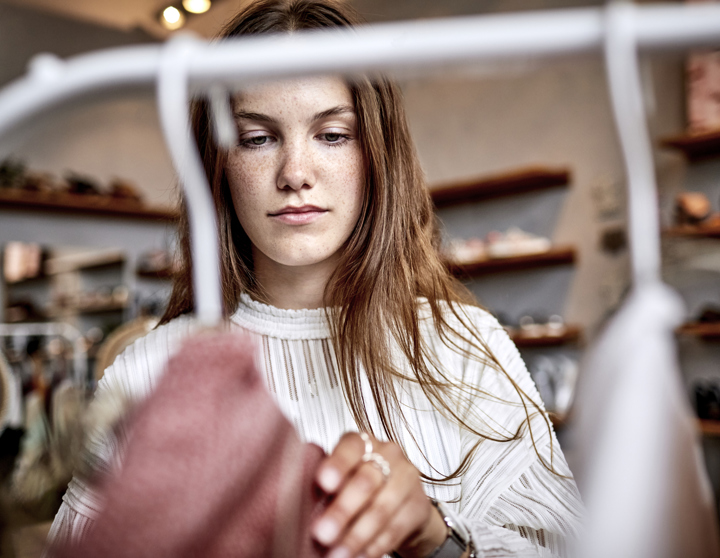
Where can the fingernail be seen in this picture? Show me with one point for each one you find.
(329, 480)
(339, 552)
(326, 531)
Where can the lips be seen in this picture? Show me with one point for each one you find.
(301, 215)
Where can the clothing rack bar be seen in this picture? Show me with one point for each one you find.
(401, 48)
(420, 47)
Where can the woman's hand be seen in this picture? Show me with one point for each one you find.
(372, 515)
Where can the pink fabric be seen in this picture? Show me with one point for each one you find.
(212, 467)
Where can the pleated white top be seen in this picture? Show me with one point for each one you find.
(512, 504)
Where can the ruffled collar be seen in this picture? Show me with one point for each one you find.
(283, 324)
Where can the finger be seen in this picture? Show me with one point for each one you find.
(355, 495)
(341, 462)
(372, 522)
(403, 485)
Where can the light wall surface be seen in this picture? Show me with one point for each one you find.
(464, 126)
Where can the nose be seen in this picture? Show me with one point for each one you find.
(296, 168)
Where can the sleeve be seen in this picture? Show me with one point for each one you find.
(81, 501)
(518, 498)
(129, 379)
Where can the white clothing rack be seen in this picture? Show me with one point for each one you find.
(407, 48)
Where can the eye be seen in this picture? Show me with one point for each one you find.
(334, 138)
(254, 141)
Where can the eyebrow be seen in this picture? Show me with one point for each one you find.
(340, 109)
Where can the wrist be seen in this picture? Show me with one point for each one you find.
(425, 540)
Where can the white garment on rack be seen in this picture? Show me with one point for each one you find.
(13, 405)
(647, 488)
(510, 501)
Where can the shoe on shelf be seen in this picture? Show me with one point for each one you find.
(461, 251)
(691, 208)
(516, 242)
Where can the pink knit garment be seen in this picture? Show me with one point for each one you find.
(212, 467)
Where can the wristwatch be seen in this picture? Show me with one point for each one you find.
(458, 540)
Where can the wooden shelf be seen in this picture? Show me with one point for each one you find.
(506, 184)
(696, 147)
(570, 334)
(63, 202)
(164, 273)
(709, 427)
(706, 330)
(84, 262)
(89, 309)
(27, 280)
(560, 255)
(694, 231)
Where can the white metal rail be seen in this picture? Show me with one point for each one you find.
(417, 47)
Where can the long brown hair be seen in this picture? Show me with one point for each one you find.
(390, 265)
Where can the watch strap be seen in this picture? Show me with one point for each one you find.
(458, 540)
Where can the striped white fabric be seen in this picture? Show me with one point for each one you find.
(512, 504)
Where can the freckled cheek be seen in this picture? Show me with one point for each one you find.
(248, 179)
(355, 184)
(347, 175)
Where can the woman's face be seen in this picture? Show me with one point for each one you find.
(297, 174)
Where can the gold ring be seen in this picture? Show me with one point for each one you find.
(378, 461)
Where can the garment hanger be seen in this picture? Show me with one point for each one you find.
(635, 429)
(173, 104)
(184, 66)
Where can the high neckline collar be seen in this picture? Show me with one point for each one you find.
(281, 323)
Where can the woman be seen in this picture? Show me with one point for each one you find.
(330, 258)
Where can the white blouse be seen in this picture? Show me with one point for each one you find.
(511, 503)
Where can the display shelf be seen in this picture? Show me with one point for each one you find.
(570, 334)
(88, 309)
(505, 184)
(27, 280)
(559, 255)
(84, 262)
(163, 273)
(709, 427)
(694, 231)
(696, 146)
(706, 330)
(100, 308)
(64, 202)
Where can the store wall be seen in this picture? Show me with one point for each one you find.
(98, 137)
(102, 138)
(556, 116)
(474, 125)
(464, 126)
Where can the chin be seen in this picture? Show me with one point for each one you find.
(302, 261)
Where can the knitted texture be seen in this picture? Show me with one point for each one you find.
(212, 467)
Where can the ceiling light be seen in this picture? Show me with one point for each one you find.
(196, 6)
(172, 18)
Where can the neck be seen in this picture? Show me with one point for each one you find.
(293, 287)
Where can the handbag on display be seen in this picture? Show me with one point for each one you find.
(211, 467)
